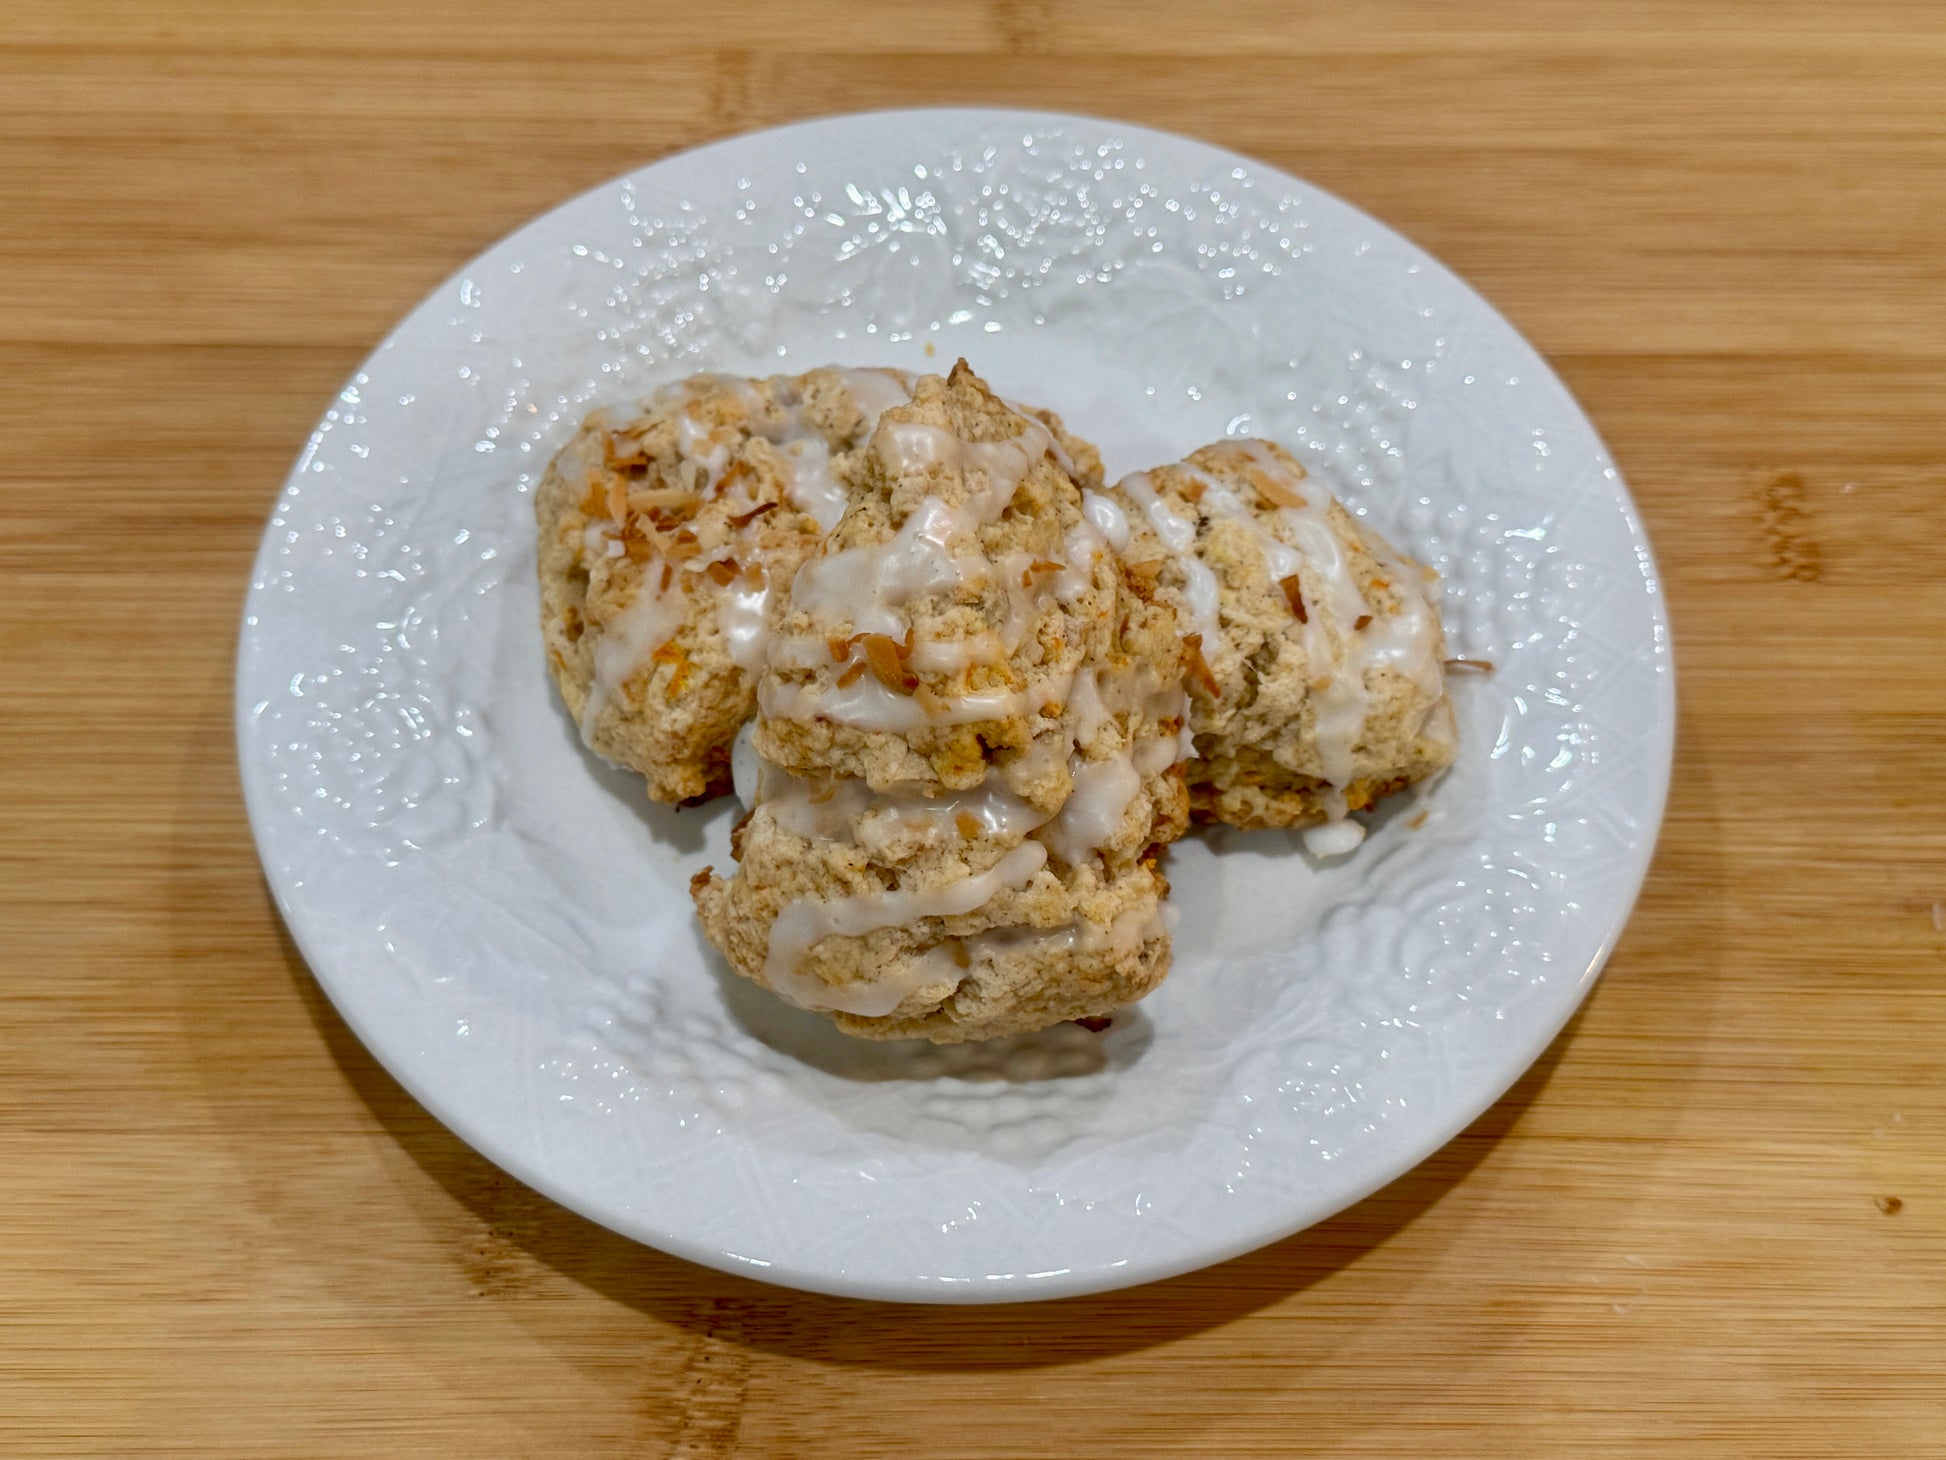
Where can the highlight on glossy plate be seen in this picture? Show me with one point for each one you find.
(955, 705)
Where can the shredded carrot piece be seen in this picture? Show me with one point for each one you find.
(1198, 666)
(1361, 621)
(968, 824)
(851, 675)
(674, 655)
(1294, 596)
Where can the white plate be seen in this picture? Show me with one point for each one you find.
(505, 921)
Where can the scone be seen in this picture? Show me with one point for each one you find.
(968, 749)
(1316, 656)
(664, 527)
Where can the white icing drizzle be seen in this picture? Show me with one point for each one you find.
(1154, 754)
(811, 488)
(1201, 597)
(1202, 602)
(626, 643)
(936, 549)
(865, 704)
(859, 587)
(912, 446)
(1082, 548)
(1103, 792)
(1109, 519)
(947, 656)
(746, 766)
(1090, 710)
(1339, 653)
(876, 391)
(742, 613)
(741, 605)
(1178, 534)
(1334, 838)
(953, 960)
(843, 811)
(805, 923)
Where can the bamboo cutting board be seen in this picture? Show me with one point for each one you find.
(1713, 1218)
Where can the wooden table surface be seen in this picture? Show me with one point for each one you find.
(1712, 1220)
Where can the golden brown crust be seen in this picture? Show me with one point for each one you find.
(1255, 682)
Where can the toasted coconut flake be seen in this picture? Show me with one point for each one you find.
(1143, 573)
(738, 470)
(723, 572)
(668, 577)
(620, 448)
(683, 546)
(617, 490)
(1294, 596)
(839, 647)
(851, 675)
(1362, 621)
(638, 548)
(1193, 491)
(967, 824)
(886, 657)
(1275, 492)
(663, 502)
(744, 519)
(1197, 666)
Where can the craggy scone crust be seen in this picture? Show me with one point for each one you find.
(705, 495)
(1056, 811)
(1068, 943)
(1257, 683)
(1058, 638)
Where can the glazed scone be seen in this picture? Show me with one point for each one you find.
(1316, 675)
(967, 847)
(935, 636)
(905, 916)
(663, 527)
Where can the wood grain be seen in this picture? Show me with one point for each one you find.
(1711, 1221)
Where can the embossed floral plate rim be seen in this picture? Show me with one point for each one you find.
(694, 1114)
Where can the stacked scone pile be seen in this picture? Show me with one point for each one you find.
(967, 693)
